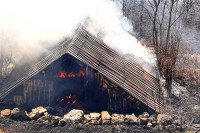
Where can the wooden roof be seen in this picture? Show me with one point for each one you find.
(120, 69)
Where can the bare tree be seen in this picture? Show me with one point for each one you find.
(192, 13)
(159, 22)
(165, 16)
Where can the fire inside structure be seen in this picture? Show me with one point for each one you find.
(83, 72)
(70, 84)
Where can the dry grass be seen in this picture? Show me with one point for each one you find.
(188, 70)
(187, 67)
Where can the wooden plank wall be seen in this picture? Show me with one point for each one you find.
(93, 52)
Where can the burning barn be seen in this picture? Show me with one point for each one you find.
(83, 72)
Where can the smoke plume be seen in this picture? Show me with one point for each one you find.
(30, 27)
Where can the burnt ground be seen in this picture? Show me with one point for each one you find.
(11, 126)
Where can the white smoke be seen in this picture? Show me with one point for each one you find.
(29, 27)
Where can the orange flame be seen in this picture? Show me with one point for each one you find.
(81, 74)
(71, 75)
(74, 101)
(64, 74)
(68, 97)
